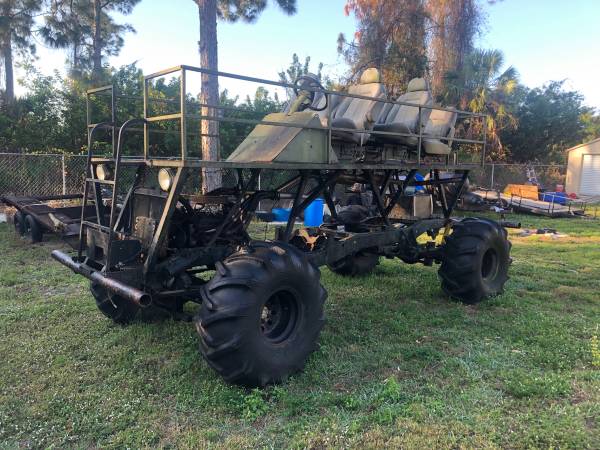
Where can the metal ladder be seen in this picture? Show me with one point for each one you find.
(111, 226)
(531, 176)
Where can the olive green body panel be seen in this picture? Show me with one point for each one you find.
(280, 143)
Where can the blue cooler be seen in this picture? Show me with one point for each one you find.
(313, 214)
(281, 214)
(554, 197)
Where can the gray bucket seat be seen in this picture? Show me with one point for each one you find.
(441, 125)
(334, 102)
(357, 113)
(404, 119)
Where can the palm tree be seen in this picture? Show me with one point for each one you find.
(481, 86)
(230, 11)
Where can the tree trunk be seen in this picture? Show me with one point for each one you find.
(97, 41)
(8, 70)
(209, 129)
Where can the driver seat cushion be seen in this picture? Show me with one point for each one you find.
(440, 124)
(358, 113)
(405, 118)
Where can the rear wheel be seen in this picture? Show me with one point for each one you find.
(115, 307)
(33, 231)
(261, 314)
(475, 260)
(362, 263)
(19, 223)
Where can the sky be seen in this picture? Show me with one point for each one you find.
(543, 39)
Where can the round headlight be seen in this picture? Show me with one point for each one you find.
(165, 179)
(103, 172)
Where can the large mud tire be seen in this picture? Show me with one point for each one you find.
(475, 261)
(356, 265)
(261, 314)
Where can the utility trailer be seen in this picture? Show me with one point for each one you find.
(37, 215)
(262, 310)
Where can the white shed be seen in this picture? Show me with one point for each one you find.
(583, 169)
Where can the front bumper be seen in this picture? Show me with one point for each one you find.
(140, 298)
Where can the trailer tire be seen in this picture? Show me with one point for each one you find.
(362, 263)
(19, 223)
(33, 231)
(261, 314)
(476, 258)
(117, 308)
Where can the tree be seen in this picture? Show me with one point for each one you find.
(231, 11)
(591, 121)
(17, 18)
(551, 119)
(405, 39)
(297, 69)
(51, 116)
(232, 133)
(452, 27)
(481, 86)
(88, 30)
(391, 36)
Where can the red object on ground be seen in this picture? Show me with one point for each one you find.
(572, 195)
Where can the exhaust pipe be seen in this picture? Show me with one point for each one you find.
(140, 298)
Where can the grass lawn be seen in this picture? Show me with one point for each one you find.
(399, 364)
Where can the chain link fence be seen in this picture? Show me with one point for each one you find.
(42, 175)
(497, 176)
(48, 174)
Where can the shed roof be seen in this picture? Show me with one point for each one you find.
(582, 145)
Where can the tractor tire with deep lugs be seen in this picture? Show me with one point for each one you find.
(261, 314)
(475, 261)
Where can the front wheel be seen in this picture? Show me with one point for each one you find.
(118, 309)
(475, 260)
(261, 314)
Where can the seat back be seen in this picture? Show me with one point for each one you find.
(361, 112)
(440, 125)
(334, 103)
(417, 93)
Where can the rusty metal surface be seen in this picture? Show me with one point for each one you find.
(132, 294)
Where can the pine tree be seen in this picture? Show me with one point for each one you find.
(87, 28)
(230, 11)
(17, 18)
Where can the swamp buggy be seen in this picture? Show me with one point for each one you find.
(152, 246)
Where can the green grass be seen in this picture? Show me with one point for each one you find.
(399, 364)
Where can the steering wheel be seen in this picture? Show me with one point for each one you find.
(308, 81)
